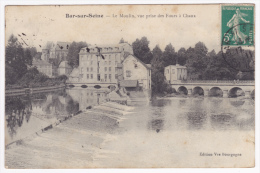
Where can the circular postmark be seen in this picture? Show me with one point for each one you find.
(236, 47)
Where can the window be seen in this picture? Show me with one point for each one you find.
(105, 62)
(91, 68)
(128, 73)
(91, 76)
(87, 76)
(173, 71)
(109, 62)
(91, 62)
(87, 68)
(109, 68)
(135, 65)
(105, 76)
(116, 76)
(109, 76)
(105, 68)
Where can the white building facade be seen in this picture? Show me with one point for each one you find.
(136, 73)
(102, 63)
(175, 73)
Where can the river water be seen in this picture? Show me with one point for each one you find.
(165, 132)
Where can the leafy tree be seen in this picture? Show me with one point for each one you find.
(32, 50)
(73, 53)
(38, 56)
(10, 75)
(15, 57)
(169, 55)
(181, 56)
(159, 85)
(218, 69)
(28, 57)
(141, 50)
(196, 60)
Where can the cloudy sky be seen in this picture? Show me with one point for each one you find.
(38, 24)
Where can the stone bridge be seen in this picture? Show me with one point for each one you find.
(226, 88)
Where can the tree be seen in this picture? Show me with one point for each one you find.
(10, 75)
(28, 57)
(159, 85)
(196, 60)
(141, 50)
(15, 57)
(169, 55)
(32, 50)
(181, 56)
(73, 53)
(38, 55)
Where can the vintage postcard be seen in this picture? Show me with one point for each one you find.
(130, 86)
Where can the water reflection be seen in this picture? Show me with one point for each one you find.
(200, 114)
(27, 114)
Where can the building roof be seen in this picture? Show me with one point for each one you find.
(62, 45)
(128, 83)
(104, 46)
(40, 62)
(176, 66)
(109, 45)
(148, 66)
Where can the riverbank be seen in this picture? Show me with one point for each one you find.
(10, 92)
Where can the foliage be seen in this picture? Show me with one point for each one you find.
(169, 55)
(10, 75)
(141, 50)
(159, 84)
(15, 57)
(38, 56)
(73, 53)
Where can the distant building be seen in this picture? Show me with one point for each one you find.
(175, 73)
(64, 68)
(103, 63)
(136, 73)
(44, 67)
(56, 52)
(59, 51)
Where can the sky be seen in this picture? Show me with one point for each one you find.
(38, 24)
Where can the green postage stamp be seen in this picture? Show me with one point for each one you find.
(237, 25)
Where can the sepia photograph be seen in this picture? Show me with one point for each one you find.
(129, 86)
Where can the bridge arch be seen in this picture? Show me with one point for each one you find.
(215, 92)
(236, 92)
(183, 90)
(97, 86)
(197, 91)
(84, 86)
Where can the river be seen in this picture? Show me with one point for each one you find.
(165, 132)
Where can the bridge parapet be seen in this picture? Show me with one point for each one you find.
(217, 82)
